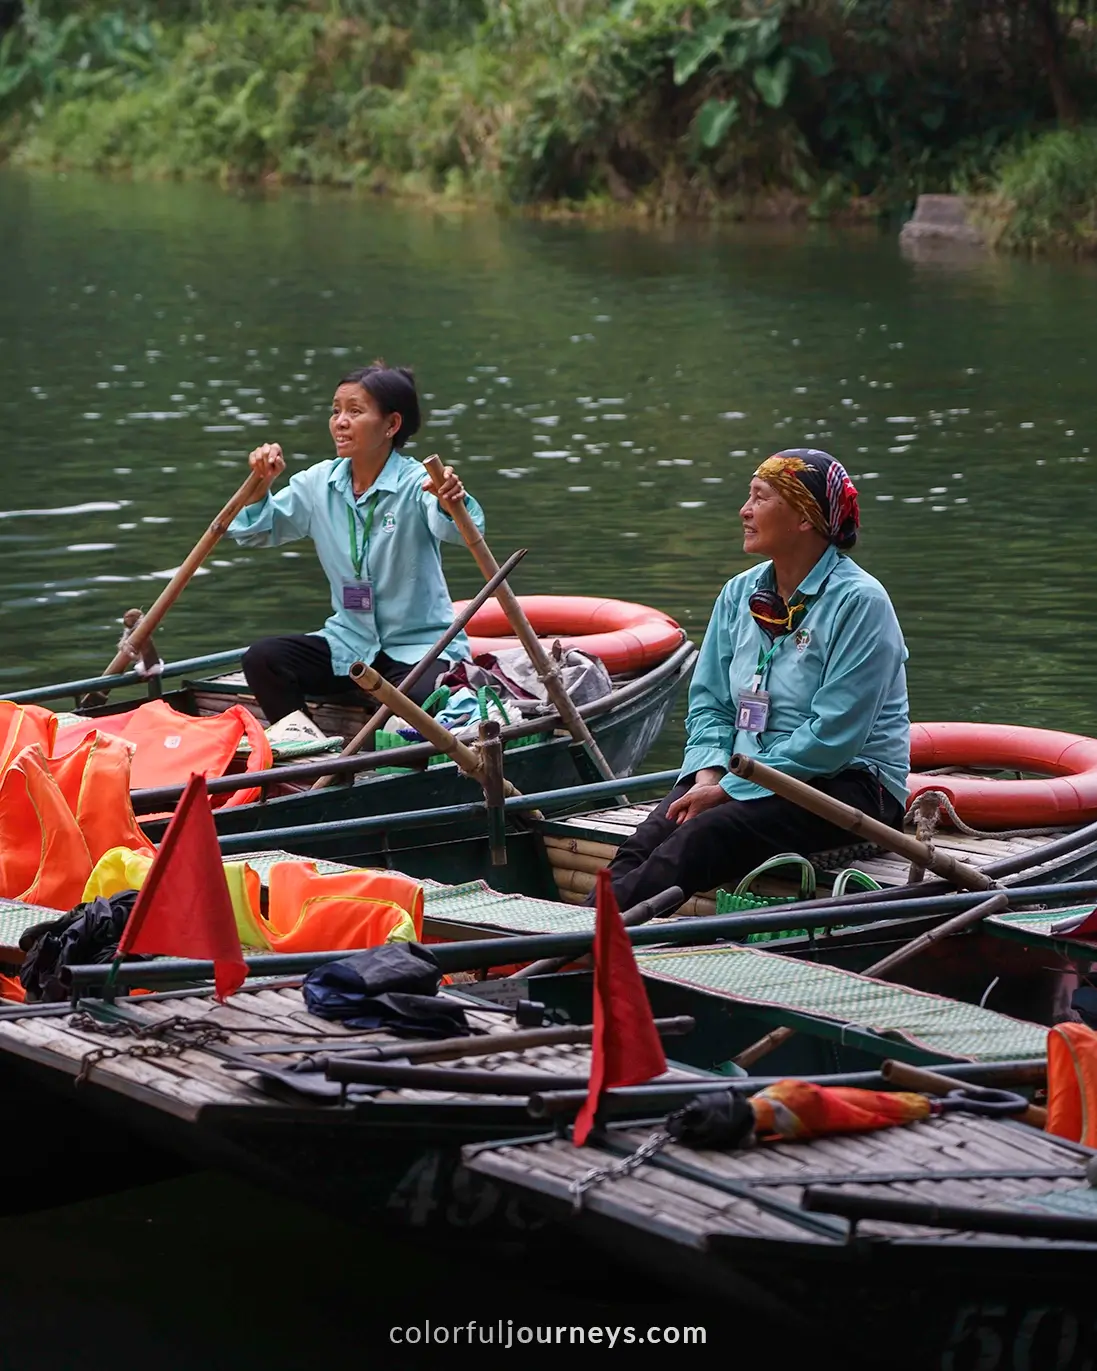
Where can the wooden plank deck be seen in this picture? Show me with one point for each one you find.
(951, 1159)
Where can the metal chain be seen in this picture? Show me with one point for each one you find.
(195, 1033)
(625, 1167)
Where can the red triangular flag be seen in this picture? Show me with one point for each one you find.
(184, 908)
(626, 1049)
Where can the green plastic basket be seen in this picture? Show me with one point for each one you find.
(742, 900)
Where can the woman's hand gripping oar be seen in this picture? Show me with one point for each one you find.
(477, 763)
(546, 670)
(378, 717)
(130, 647)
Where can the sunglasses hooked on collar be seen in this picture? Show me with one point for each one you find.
(772, 614)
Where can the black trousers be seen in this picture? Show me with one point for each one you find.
(282, 671)
(719, 846)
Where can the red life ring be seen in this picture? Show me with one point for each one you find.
(627, 637)
(1066, 794)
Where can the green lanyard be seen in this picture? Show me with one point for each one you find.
(358, 558)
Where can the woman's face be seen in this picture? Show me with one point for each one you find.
(358, 428)
(770, 524)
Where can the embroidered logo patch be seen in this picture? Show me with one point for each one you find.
(801, 638)
(388, 523)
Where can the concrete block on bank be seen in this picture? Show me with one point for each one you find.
(941, 219)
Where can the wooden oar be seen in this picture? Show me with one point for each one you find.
(887, 964)
(933, 1083)
(547, 671)
(871, 830)
(378, 717)
(149, 622)
(488, 1044)
(470, 760)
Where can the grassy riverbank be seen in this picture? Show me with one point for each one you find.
(656, 107)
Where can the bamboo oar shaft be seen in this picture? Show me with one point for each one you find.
(435, 733)
(449, 1049)
(379, 716)
(523, 629)
(175, 587)
(933, 1083)
(764, 1046)
(871, 830)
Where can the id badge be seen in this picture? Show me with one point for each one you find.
(358, 595)
(753, 711)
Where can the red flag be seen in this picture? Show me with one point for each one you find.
(626, 1049)
(184, 908)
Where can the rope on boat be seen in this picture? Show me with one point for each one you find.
(942, 803)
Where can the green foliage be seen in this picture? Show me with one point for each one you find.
(1047, 193)
(667, 105)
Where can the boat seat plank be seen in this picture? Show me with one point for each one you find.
(749, 976)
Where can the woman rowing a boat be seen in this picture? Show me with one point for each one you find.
(802, 666)
(377, 526)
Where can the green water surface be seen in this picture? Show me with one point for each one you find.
(605, 392)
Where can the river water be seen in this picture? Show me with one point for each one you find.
(604, 391)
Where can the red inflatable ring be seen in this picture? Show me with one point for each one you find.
(1066, 794)
(625, 636)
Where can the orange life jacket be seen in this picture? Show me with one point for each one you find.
(171, 747)
(21, 725)
(59, 815)
(313, 912)
(11, 988)
(1072, 1083)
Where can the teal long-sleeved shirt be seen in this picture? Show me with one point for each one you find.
(403, 561)
(837, 684)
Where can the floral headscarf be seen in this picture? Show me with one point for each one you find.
(818, 487)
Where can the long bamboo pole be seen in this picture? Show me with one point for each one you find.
(379, 716)
(871, 830)
(957, 924)
(470, 760)
(547, 671)
(149, 622)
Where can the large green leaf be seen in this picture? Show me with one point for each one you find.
(713, 120)
(694, 49)
(815, 54)
(773, 82)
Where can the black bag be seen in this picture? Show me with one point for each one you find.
(87, 934)
(394, 986)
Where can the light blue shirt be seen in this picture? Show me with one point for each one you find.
(403, 561)
(837, 683)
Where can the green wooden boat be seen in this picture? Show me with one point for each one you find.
(396, 784)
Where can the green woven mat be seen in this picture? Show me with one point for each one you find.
(263, 861)
(296, 750)
(1039, 920)
(16, 918)
(476, 903)
(943, 1026)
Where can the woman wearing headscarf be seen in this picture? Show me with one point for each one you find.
(802, 667)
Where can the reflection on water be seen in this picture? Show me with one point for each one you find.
(207, 1272)
(605, 392)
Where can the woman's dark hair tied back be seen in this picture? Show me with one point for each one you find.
(394, 390)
